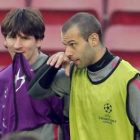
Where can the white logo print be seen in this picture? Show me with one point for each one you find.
(17, 77)
(4, 123)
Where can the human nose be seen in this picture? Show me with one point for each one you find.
(68, 51)
(17, 44)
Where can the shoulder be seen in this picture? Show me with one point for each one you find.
(134, 84)
(40, 61)
(127, 66)
(127, 70)
(6, 71)
(5, 76)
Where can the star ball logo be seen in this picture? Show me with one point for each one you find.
(108, 108)
(107, 118)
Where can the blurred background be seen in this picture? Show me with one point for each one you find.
(120, 21)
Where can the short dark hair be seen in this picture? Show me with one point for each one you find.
(87, 24)
(26, 20)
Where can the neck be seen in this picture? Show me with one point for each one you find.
(34, 58)
(104, 61)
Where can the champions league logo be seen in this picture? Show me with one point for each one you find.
(107, 118)
(108, 108)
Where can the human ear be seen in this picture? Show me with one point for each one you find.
(93, 39)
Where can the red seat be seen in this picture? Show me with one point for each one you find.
(7, 5)
(124, 41)
(122, 35)
(123, 38)
(5, 57)
(52, 40)
(123, 11)
(2, 48)
(58, 11)
(138, 68)
(1, 67)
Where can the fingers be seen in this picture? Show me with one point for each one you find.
(60, 59)
(66, 65)
(67, 70)
(56, 59)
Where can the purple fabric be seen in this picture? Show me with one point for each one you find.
(18, 111)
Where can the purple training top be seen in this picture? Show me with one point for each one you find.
(18, 111)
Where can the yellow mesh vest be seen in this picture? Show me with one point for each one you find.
(98, 112)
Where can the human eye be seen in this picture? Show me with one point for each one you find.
(72, 44)
(25, 37)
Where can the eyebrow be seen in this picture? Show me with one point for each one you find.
(69, 42)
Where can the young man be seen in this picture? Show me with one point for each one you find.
(23, 30)
(104, 89)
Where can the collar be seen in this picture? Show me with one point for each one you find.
(104, 61)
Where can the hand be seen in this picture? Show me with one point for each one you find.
(60, 59)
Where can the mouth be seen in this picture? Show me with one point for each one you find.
(18, 52)
(76, 62)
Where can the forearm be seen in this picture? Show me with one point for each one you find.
(49, 84)
(40, 85)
